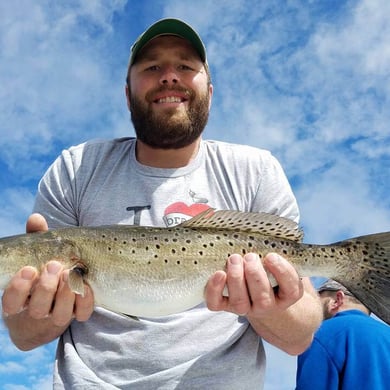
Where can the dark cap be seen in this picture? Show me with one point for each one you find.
(169, 27)
(332, 285)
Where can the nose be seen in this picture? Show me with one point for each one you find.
(169, 76)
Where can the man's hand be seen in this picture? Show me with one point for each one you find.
(274, 315)
(38, 304)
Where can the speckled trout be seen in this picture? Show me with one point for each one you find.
(151, 272)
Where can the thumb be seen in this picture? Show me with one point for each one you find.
(36, 223)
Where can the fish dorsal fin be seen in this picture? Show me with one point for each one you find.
(268, 224)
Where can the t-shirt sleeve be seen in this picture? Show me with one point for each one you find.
(55, 198)
(274, 194)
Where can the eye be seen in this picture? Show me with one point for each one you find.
(152, 68)
(185, 67)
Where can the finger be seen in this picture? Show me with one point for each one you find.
(260, 289)
(36, 223)
(239, 301)
(62, 312)
(44, 292)
(214, 292)
(17, 293)
(84, 305)
(290, 285)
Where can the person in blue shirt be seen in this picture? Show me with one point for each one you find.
(351, 349)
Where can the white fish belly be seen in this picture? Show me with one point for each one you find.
(150, 300)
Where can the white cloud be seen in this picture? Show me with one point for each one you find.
(15, 205)
(340, 205)
(55, 76)
(11, 368)
(18, 368)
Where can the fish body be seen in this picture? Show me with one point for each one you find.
(151, 272)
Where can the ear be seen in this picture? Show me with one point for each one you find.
(211, 89)
(339, 299)
(127, 91)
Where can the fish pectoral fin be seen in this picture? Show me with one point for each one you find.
(76, 281)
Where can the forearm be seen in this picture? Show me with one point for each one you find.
(28, 333)
(292, 330)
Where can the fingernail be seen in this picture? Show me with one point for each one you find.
(250, 257)
(235, 259)
(274, 258)
(28, 273)
(53, 268)
(218, 278)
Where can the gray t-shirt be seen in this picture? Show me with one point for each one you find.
(100, 183)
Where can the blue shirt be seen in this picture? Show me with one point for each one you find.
(350, 351)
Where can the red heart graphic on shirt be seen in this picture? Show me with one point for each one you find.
(179, 212)
(181, 207)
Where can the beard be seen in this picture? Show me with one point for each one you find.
(170, 129)
(325, 308)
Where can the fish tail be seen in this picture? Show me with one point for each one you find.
(369, 275)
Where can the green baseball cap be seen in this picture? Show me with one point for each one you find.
(169, 26)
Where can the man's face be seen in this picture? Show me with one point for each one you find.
(169, 93)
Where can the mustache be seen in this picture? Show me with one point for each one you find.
(188, 92)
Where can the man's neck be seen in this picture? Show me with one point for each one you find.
(166, 158)
(352, 306)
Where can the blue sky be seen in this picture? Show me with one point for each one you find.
(306, 79)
